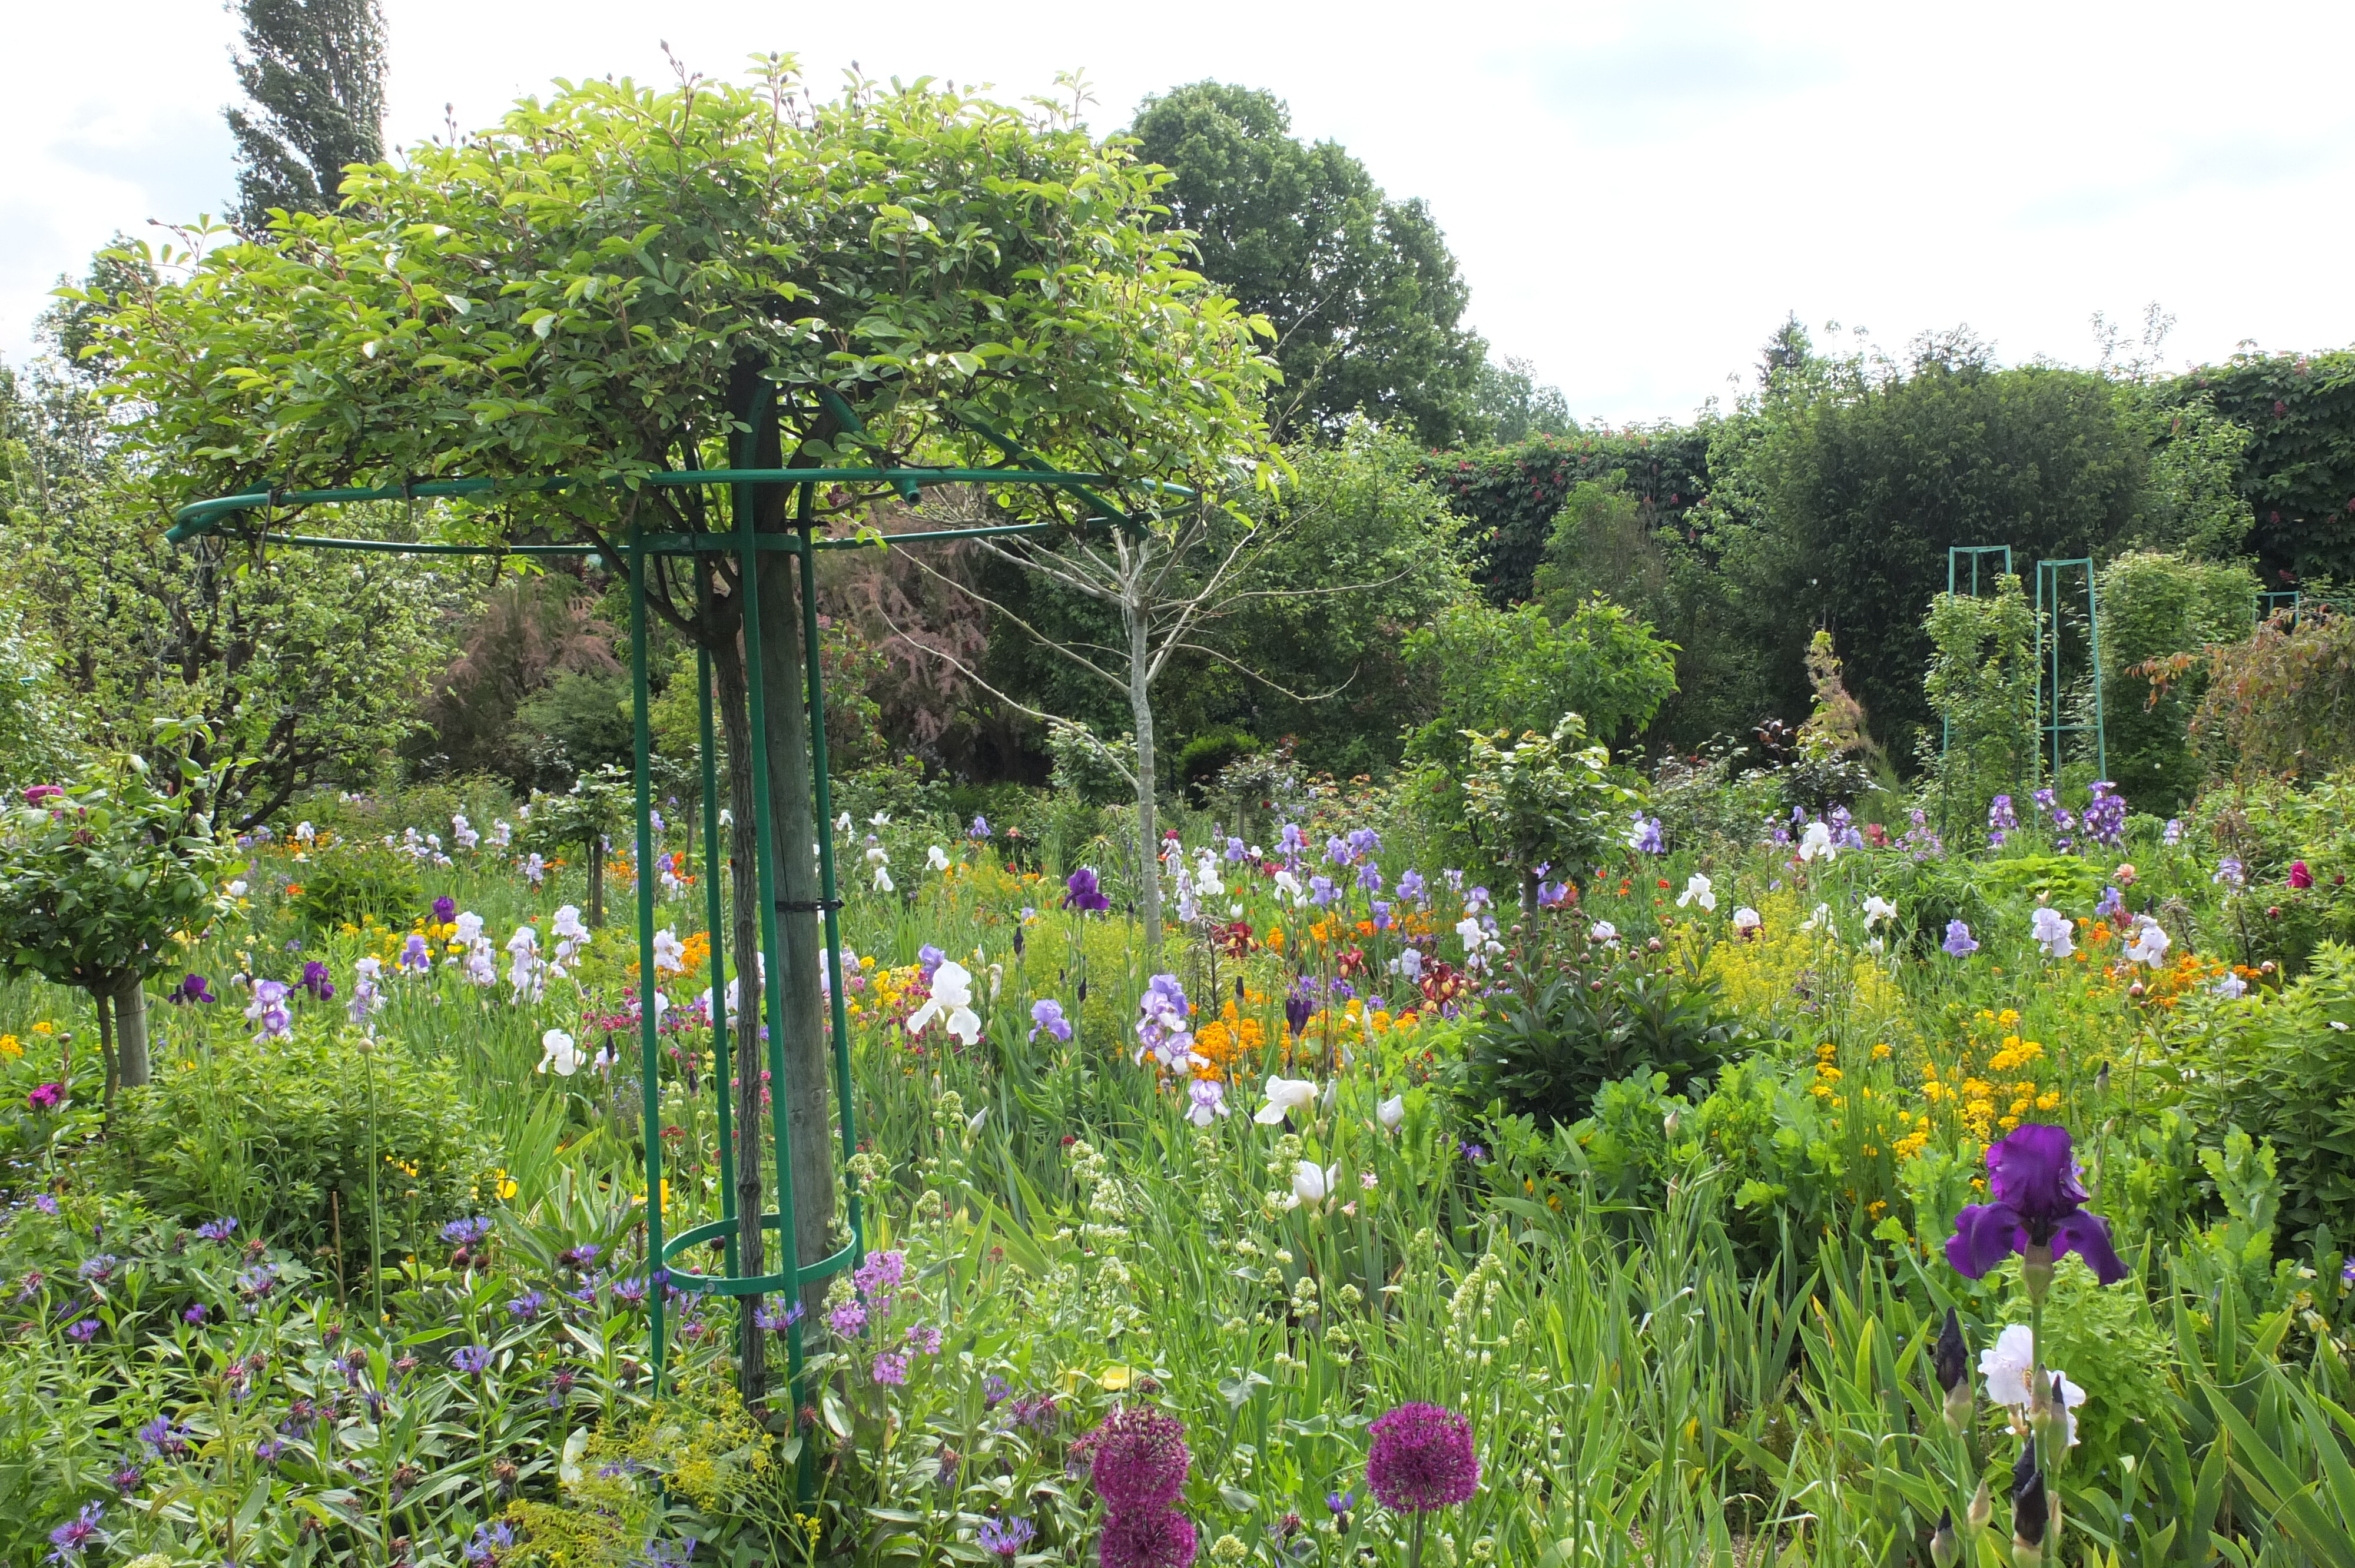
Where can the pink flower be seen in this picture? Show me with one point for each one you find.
(1138, 1458)
(47, 1097)
(1148, 1537)
(1422, 1459)
(2299, 877)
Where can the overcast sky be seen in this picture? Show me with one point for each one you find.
(1637, 193)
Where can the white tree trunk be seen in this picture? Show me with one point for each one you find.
(1149, 830)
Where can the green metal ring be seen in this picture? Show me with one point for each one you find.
(758, 1285)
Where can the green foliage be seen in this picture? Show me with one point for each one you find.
(313, 72)
(280, 1134)
(2285, 1075)
(1361, 291)
(2284, 701)
(1838, 494)
(39, 730)
(526, 302)
(2155, 607)
(1555, 1040)
(1355, 551)
(1517, 670)
(1512, 496)
(2104, 1340)
(1204, 757)
(95, 881)
(1982, 683)
(2298, 472)
(1512, 405)
(578, 721)
(2194, 501)
(350, 880)
(1541, 800)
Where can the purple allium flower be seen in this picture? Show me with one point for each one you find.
(314, 981)
(45, 1096)
(83, 1332)
(1047, 1013)
(890, 1367)
(73, 1538)
(1148, 1538)
(1958, 940)
(445, 909)
(1137, 1458)
(1422, 1459)
(195, 988)
(527, 1305)
(1082, 892)
(467, 1232)
(219, 1230)
(1005, 1537)
(472, 1360)
(2033, 1177)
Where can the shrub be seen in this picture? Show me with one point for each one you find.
(2153, 607)
(2285, 1073)
(279, 1133)
(2284, 701)
(346, 882)
(1547, 1051)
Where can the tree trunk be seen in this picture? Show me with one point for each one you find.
(1149, 830)
(808, 1077)
(596, 854)
(744, 947)
(130, 1032)
(104, 1000)
(1529, 901)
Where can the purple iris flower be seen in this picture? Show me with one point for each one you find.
(1296, 1009)
(1320, 891)
(1337, 849)
(1364, 842)
(929, 958)
(414, 956)
(2001, 820)
(1082, 892)
(315, 980)
(1369, 877)
(1409, 886)
(980, 829)
(1047, 1013)
(1959, 940)
(2105, 814)
(2111, 902)
(445, 909)
(1381, 916)
(2033, 1177)
(1235, 851)
(195, 988)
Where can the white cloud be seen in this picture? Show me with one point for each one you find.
(1636, 192)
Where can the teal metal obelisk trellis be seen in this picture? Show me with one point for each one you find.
(743, 544)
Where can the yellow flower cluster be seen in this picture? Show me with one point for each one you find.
(1986, 1090)
(1787, 970)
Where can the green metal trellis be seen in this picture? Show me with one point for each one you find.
(2047, 666)
(744, 544)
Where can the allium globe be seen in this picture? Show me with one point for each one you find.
(1422, 1459)
(1148, 1537)
(1138, 1459)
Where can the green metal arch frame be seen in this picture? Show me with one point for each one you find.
(208, 518)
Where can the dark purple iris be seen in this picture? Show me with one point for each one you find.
(1081, 892)
(445, 909)
(195, 988)
(315, 980)
(2033, 1177)
(1296, 1009)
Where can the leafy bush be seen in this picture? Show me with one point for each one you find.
(2284, 701)
(1547, 1051)
(348, 881)
(2162, 608)
(282, 1135)
(2285, 1074)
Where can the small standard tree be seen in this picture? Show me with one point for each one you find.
(100, 879)
(585, 817)
(1543, 801)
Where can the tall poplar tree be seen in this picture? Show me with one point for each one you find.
(312, 72)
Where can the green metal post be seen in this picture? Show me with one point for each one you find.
(822, 794)
(772, 951)
(649, 1062)
(713, 918)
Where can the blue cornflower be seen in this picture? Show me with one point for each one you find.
(489, 1541)
(527, 1305)
(1006, 1537)
(472, 1360)
(73, 1537)
(219, 1230)
(465, 1232)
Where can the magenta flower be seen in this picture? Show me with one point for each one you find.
(1422, 1459)
(1082, 892)
(1138, 1458)
(2032, 1176)
(2300, 877)
(45, 1096)
(1149, 1537)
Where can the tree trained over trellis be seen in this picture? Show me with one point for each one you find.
(621, 278)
